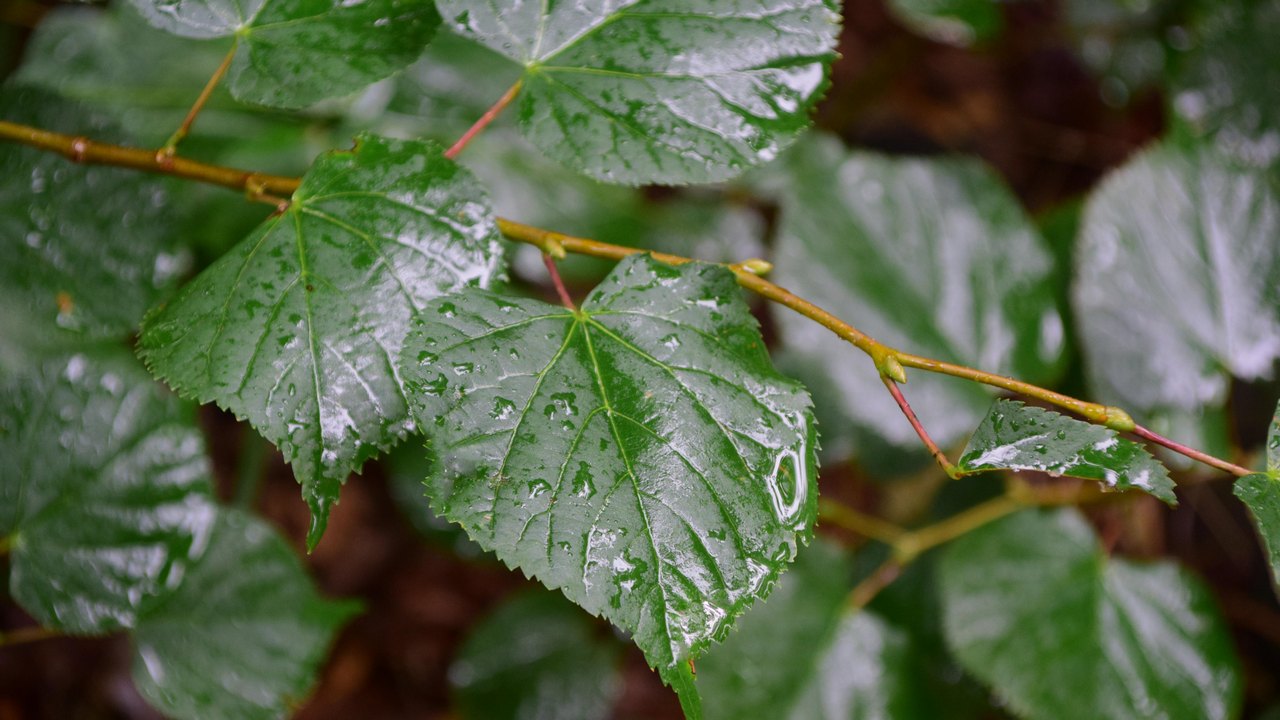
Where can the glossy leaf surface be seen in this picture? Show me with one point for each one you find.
(297, 328)
(86, 249)
(1014, 436)
(243, 636)
(640, 454)
(804, 655)
(104, 491)
(536, 658)
(1228, 89)
(956, 22)
(291, 53)
(660, 91)
(931, 256)
(1261, 493)
(1178, 281)
(1032, 596)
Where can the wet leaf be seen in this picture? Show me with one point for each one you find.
(298, 327)
(1016, 437)
(659, 91)
(1228, 88)
(86, 249)
(244, 635)
(956, 22)
(104, 491)
(1261, 493)
(536, 658)
(806, 655)
(292, 53)
(931, 256)
(1178, 282)
(1033, 597)
(640, 454)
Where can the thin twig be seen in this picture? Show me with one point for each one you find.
(868, 526)
(558, 282)
(484, 120)
(171, 145)
(26, 635)
(882, 577)
(933, 448)
(1192, 453)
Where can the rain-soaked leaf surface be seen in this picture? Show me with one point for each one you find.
(1178, 281)
(660, 91)
(297, 328)
(806, 655)
(956, 22)
(934, 257)
(104, 491)
(291, 53)
(1261, 493)
(1228, 88)
(244, 635)
(1014, 436)
(85, 249)
(1035, 609)
(641, 454)
(539, 657)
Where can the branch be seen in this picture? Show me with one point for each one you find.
(26, 635)
(484, 120)
(170, 147)
(889, 361)
(905, 406)
(561, 290)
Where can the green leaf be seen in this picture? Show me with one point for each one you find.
(932, 256)
(641, 454)
(1034, 608)
(243, 636)
(660, 91)
(1016, 437)
(806, 655)
(1228, 89)
(86, 249)
(1261, 493)
(291, 53)
(297, 329)
(1178, 281)
(536, 658)
(956, 22)
(104, 491)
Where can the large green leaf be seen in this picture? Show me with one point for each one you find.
(244, 634)
(1178, 281)
(536, 658)
(806, 655)
(931, 256)
(86, 249)
(104, 491)
(1015, 437)
(640, 454)
(292, 53)
(1261, 493)
(297, 329)
(1034, 608)
(660, 91)
(1228, 89)
(957, 22)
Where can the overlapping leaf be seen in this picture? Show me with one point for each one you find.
(641, 454)
(87, 249)
(1034, 608)
(104, 491)
(932, 256)
(1261, 493)
(536, 658)
(243, 636)
(660, 91)
(1178, 281)
(291, 53)
(1015, 437)
(297, 329)
(806, 655)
